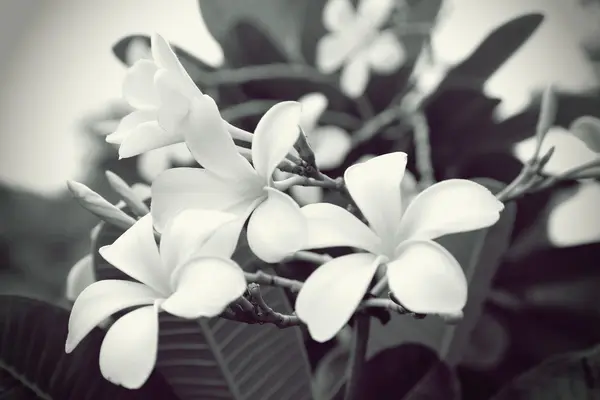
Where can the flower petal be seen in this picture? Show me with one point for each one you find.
(587, 129)
(165, 57)
(187, 232)
(375, 187)
(276, 228)
(332, 226)
(451, 206)
(338, 14)
(355, 75)
(332, 146)
(332, 50)
(99, 301)
(136, 254)
(177, 189)
(211, 144)
(129, 123)
(128, 352)
(376, 13)
(426, 278)
(181, 154)
(313, 105)
(174, 105)
(152, 163)
(307, 194)
(386, 53)
(145, 137)
(331, 294)
(205, 286)
(141, 190)
(138, 85)
(80, 276)
(274, 136)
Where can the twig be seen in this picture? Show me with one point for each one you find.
(375, 124)
(271, 71)
(263, 278)
(423, 149)
(312, 257)
(298, 180)
(266, 314)
(357, 355)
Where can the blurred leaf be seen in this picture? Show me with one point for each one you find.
(571, 376)
(329, 375)
(479, 253)
(217, 358)
(33, 362)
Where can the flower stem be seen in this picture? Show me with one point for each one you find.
(357, 356)
(375, 124)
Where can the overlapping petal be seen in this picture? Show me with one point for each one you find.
(165, 57)
(274, 136)
(426, 278)
(332, 145)
(307, 194)
(375, 187)
(331, 294)
(386, 53)
(174, 104)
(332, 50)
(147, 136)
(313, 105)
(332, 226)
(204, 287)
(129, 123)
(376, 13)
(276, 228)
(338, 14)
(80, 276)
(138, 85)
(355, 75)
(136, 254)
(587, 129)
(99, 301)
(128, 352)
(451, 206)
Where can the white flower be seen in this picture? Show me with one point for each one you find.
(154, 162)
(423, 275)
(356, 41)
(162, 92)
(228, 182)
(191, 276)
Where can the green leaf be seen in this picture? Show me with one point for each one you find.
(33, 362)
(570, 376)
(218, 358)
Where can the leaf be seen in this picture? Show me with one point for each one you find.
(479, 252)
(33, 362)
(218, 358)
(570, 376)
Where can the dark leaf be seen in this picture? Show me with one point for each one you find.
(33, 362)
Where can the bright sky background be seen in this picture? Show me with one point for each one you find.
(61, 67)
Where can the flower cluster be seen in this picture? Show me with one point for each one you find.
(199, 214)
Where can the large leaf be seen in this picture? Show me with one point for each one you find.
(33, 362)
(218, 358)
(571, 376)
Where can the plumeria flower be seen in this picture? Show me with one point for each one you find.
(357, 43)
(161, 91)
(189, 275)
(423, 275)
(228, 182)
(330, 145)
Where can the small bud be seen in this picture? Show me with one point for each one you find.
(99, 206)
(132, 201)
(545, 158)
(305, 151)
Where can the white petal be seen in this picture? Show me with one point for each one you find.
(165, 57)
(181, 154)
(332, 50)
(355, 75)
(331, 294)
(332, 146)
(99, 301)
(569, 152)
(80, 276)
(451, 206)
(576, 221)
(136, 254)
(332, 226)
(177, 189)
(141, 190)
(426, 278)
(128, 352)
(211, 144)
(375, 187)
(129, 123)
(313, 105)
(205, 287)
(145, 137)
(307, 194)
(587, 129)
(187, 232)
(386, 53)
(276, 228)
(152, 163)
(338, 14)
(375, 12)
(274, 136)
(174, 105)
(138, 85)
(409, 189)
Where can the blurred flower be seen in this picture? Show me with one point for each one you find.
(80, 276)
(152, 163)
(187, 278)
(587, 129)
(423, 275)
(228, 182)
(356, 41)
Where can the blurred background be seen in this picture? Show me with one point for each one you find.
(60, 88)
